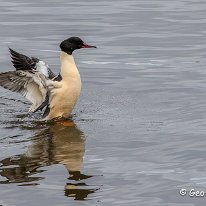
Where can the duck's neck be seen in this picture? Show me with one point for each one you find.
(68, 66)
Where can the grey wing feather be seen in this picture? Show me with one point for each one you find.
(25, 83)
(14, 81)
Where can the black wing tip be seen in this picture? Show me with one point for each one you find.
(35, 59)
(12, 52)
(10, 49)
(21, 61)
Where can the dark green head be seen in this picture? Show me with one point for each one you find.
(73, 43)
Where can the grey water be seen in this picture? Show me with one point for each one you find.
(138, 133)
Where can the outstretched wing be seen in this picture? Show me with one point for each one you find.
(27, 83)
(29, 79)
(23, 62)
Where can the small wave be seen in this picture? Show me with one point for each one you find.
(142, 63)
(45, 50)
(156, 172)
(123, 63)
(95, 62)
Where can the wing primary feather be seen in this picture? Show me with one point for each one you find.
(21, 61)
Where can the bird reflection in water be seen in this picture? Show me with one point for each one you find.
(58, 143)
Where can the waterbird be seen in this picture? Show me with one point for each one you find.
(33, 79)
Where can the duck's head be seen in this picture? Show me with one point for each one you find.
(73, 43)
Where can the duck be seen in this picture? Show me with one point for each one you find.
(33, 79)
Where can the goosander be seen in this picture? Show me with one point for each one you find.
(36, 82)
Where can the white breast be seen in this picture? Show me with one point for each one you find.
(64, 98)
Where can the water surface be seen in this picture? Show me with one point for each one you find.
(137, 135)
